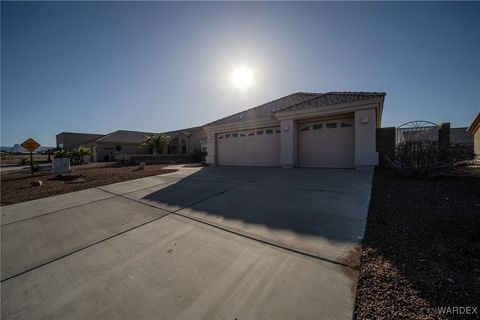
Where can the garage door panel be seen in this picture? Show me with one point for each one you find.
(327, 143)
(260, 147)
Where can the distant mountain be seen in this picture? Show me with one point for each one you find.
(18, 149)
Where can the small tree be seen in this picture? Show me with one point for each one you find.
(156, 142)
(76, 155)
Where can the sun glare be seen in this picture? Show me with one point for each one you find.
(242, 77)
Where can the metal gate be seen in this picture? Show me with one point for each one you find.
(417, 130)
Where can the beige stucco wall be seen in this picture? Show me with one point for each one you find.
(476, 143)
(70, 140)
(365, 138)
(289, 143)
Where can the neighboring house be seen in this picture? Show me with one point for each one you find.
(190, 141)
(475, 130)
(331, 130)
(71, 140)
(128, 142)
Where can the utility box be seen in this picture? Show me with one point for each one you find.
(61, 165)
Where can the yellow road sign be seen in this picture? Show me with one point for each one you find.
(30, 144)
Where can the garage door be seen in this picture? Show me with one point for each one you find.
(259, 147)
(327, 144)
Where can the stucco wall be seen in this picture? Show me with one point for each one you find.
(476, 140)
(365, 138)
(460, 136)
(70, 140)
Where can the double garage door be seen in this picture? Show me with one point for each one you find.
(322, 144)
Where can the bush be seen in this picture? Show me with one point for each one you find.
(424, 159)
(416, 158)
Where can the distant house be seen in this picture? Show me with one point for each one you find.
(105, 147)
(475, 130)
(71, 140)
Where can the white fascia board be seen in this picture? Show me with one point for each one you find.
(244, 125)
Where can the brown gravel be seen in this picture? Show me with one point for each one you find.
(421, 249)
(17, 187)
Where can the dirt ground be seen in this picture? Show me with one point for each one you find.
(421, 249)
(17, 158)
(17, 187)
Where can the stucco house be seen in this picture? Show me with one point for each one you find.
(331, 130)
(475, 130)
(189, 141)
(71, 140)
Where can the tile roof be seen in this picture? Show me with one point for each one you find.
(266, 110)
(332, 98)
(297, 101)
(125, 136)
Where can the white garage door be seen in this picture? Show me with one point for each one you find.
(259, 147)
(327, 144)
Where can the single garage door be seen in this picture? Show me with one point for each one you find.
(327, 144)
(259, 147)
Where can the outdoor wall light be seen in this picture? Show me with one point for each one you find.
(285, 128)
(364, 120)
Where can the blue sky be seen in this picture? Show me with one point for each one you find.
(159, 66)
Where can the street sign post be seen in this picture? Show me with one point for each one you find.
(30, 145)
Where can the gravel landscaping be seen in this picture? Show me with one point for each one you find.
(421, 249)
(17, 187)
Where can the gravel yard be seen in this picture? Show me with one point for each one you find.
(17, 187)
(421, 249)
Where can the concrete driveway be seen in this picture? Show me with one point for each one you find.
(214, 243)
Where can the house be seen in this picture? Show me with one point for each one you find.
(331, 130)
(123, 143)
(475, 130)
(71, 140)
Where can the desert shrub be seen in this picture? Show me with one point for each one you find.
(416, 158)
(425, 159)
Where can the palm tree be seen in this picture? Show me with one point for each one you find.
(156, 142)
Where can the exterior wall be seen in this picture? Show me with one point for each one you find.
(211, 158)
(194, 141)
(460, 136)
(70, 140)
(476, 141)
(289, 143)
(385, 143)
(365, 138)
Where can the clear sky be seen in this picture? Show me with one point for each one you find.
(158, 66)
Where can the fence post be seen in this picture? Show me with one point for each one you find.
(444, 138)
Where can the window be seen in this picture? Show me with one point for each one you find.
(307, 128)
(345, 124)
(220, 137)
(234, 135)
(227, 136)
(317, 126)
(251, 134)
(277, 130)
(269, 131)
(259, 132)
(331, 125)
(242, 134)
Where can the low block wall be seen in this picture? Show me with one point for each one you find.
(160, 158)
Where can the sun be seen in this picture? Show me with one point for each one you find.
(242, 77)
